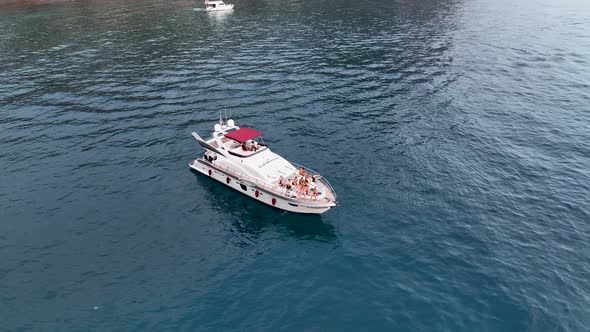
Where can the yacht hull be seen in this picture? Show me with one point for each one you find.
(254, 191)
(217, 9)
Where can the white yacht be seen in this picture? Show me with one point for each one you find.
(214, 5)
(239, 158)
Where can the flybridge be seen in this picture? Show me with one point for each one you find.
(229, 139)
(243, 134)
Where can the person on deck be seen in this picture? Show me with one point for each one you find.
(302, 171)
(281, 181)
(304, 189)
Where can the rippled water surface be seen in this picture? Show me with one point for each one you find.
(455, 132)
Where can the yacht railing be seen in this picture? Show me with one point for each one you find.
(318, 175)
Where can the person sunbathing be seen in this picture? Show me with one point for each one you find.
(281, 181)
(302, 171)
(301, 181)
(304, 189)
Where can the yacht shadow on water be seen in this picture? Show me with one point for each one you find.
(254, 218)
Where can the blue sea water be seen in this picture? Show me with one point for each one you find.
(455, 132)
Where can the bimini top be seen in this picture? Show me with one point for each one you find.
(243, 134)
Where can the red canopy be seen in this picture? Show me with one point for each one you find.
(243, 134)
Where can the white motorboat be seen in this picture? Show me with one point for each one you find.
(239, 158)
(214, 5)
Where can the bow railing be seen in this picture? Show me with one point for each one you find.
(318, 176)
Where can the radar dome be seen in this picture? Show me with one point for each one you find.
(230, 123)
(217, 127)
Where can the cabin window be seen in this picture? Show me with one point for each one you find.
(244, 187)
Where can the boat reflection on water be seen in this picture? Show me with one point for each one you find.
(220, 15)
(254, 218)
